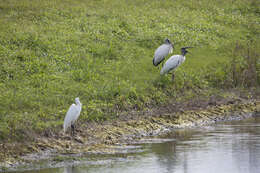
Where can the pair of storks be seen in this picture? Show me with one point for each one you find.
(173, 62)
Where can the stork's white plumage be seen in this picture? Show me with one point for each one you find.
(174, 61)
(162, 51)
(72, 115)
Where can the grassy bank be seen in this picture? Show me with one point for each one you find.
(101, 51)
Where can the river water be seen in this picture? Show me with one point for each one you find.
(231, 147)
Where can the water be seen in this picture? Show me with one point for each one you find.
(232, 147)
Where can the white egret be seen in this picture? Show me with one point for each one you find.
(174, 61)
(162, 51)
(72, 116)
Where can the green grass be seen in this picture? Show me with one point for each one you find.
(101, 51)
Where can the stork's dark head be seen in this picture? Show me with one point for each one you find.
(184, 51)
(167, 41)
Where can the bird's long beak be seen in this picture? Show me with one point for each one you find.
(188, 52)
(187, 48)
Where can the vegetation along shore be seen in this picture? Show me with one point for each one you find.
(102, 52)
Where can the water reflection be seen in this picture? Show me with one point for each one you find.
(246, 141)
(228, 147)
(72, 169)
(69, 169)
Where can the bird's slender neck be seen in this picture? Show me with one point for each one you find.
(183, 53)
(78, 102)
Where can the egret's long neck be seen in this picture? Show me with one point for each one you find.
(78, 103)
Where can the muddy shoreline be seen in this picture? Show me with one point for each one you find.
(100, 138)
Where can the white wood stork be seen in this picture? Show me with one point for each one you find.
(72, 116)
(162, 51)
(174, 61)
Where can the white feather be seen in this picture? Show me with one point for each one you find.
(161, 52)
(72, 115)
(172, 63)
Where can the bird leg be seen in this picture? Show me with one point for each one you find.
(72, 129)
(162, 64)
(184, 75)
(173, 76)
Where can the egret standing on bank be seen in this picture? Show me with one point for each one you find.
(174, 61)
(162, 51)
(72, 116)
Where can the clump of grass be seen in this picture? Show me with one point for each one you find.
(242, 70)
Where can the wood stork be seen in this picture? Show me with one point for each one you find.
(162, 51)
(72, 116)
(174, 61)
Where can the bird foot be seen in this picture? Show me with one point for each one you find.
(79, 140)
(67, 137)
